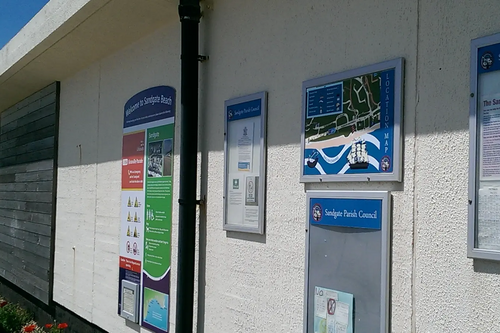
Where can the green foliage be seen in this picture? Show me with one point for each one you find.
(13, 318)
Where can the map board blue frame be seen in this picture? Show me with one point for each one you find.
(352, 125)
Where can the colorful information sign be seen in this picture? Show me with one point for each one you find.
(352, 125)
(146, 222)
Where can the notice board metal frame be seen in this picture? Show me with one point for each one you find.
(262, 168)
(484, 60)
(385, 253)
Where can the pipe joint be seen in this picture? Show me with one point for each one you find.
(186, 202)
(189, 12)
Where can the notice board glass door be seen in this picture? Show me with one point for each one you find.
(347, 262)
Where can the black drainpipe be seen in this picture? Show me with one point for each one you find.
(189, 13)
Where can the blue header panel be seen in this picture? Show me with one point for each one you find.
(324, 100)
(149, 105)
(488, 58)
(244, 110)
(351, 213)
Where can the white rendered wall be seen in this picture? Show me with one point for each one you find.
(452, 293)
(256, 284)
(89, 179)
(274, 46)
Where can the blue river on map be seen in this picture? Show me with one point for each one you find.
(335, 168)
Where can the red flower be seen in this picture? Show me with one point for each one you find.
(3, 303)
(48, 325)
(62, 326)
(30, 328)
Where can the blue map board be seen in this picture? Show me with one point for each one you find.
(352, 127)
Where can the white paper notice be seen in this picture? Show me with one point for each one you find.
(339, 328)
(488, 219)
(319, 303)
(330, 324)
(251, 217)
(330, 294)
(245, 144)
(342, 313)
(490, 137)
(128, 301)
(235, 199)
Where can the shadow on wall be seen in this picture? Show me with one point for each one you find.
(486, 266)
(102, 141)
(436, 90)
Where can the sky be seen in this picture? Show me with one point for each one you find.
(14, 14)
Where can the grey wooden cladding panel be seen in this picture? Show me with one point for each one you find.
(28, 136)
(35, 176)
(22, 282)
(43, 128)
(44, 186)
(27, 124)
(35, 285)
(33, 227)
(28, 268)
(26, 111)
(27, 196)
(25, 176)
(31, 147)
(22, 244)
(38, 166)
(32, 207)
(27, 157)
(36, 100)
(23, 256)
(27, 216)
(36, 155)
(36, 239)
(27, 130)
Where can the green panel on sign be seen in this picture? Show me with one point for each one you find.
(158, 228)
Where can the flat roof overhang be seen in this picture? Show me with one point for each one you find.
(67, 36)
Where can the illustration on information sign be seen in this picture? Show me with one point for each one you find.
(147, 157)
(351, 127)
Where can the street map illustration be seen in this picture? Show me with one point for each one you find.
(349, 126)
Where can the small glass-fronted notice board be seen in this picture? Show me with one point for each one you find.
(245, 163)
(484, 177)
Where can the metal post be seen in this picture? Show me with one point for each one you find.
(189, 13)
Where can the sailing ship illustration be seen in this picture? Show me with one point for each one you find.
(358, 156)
